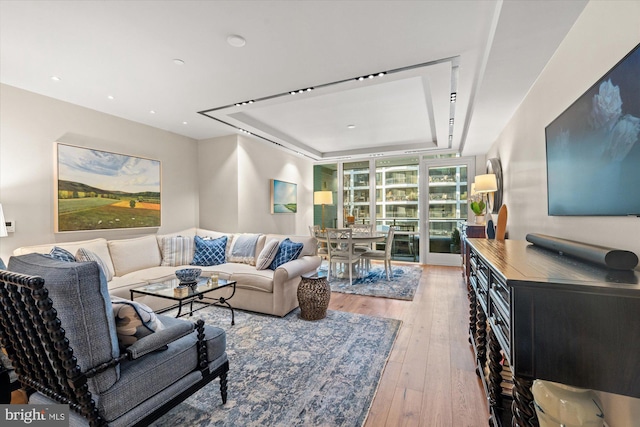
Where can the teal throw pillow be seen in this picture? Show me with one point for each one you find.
(209, 251)
(62, 254)
(287, 251)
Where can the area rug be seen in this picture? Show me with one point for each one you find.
(402, 284)
(292, 372)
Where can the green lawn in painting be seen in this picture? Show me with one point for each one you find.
(86, 203)
(97, 213)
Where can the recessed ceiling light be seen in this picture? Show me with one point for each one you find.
(152, 112)
(236, 40)
(351, 126)
(55, 78)
(185, 123)
(178, 61)
(110, 97)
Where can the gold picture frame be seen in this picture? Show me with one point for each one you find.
(101, 190)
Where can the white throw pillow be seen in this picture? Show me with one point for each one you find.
(267, 255)
(134, 254)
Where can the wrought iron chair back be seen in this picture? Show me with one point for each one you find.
(35, 342)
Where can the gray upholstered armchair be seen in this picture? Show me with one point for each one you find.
(58, 327)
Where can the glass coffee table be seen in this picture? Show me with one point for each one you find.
(199, 294)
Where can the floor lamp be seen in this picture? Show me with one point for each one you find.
(323, 198)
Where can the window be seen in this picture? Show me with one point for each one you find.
(356, 192)
(325, 177)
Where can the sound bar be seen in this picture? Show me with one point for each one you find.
(616, 259)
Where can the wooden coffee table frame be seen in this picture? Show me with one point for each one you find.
(198, 294)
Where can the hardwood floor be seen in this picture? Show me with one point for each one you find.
(430, 377)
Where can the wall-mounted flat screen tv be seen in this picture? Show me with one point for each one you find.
(593, 147)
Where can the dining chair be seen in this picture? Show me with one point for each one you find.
(323, 252)
(340, 245)
(384, 255)
(406, 239)
(365, 230)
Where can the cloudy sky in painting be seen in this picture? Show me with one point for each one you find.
(108, 171)
(283, 192)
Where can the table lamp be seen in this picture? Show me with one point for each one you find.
(485, 184)
(323, 198)
(3, 233)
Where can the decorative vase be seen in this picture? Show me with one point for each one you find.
(479, 219)
(561, 405)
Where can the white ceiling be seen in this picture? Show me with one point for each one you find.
(488, 52)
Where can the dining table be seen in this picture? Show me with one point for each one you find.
(356, 239)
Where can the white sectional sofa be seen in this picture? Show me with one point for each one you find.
(131, 263)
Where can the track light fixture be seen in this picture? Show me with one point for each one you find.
(293, 92)
(370, 76)
(218, 113)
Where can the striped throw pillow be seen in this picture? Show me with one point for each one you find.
(85, 255)
(177, 250)
(267, 254)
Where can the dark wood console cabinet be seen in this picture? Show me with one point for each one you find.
(550, 317)
(468, 231)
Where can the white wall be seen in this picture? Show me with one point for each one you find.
(218, 173)
(220, 184)
(31, 124)
(603, 34)
(258, 163)
(235, 186)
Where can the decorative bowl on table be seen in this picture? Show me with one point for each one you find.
(188, 276)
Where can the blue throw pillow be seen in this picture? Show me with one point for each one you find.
(62, 254)
(209, 252)
(287, 251)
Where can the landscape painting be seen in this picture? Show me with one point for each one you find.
(284, 197)
(101, 190)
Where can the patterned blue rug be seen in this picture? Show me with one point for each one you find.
(402, 284)
(291, 372)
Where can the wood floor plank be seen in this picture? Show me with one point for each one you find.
(405, 408)
(384, 395)
(430, 377)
